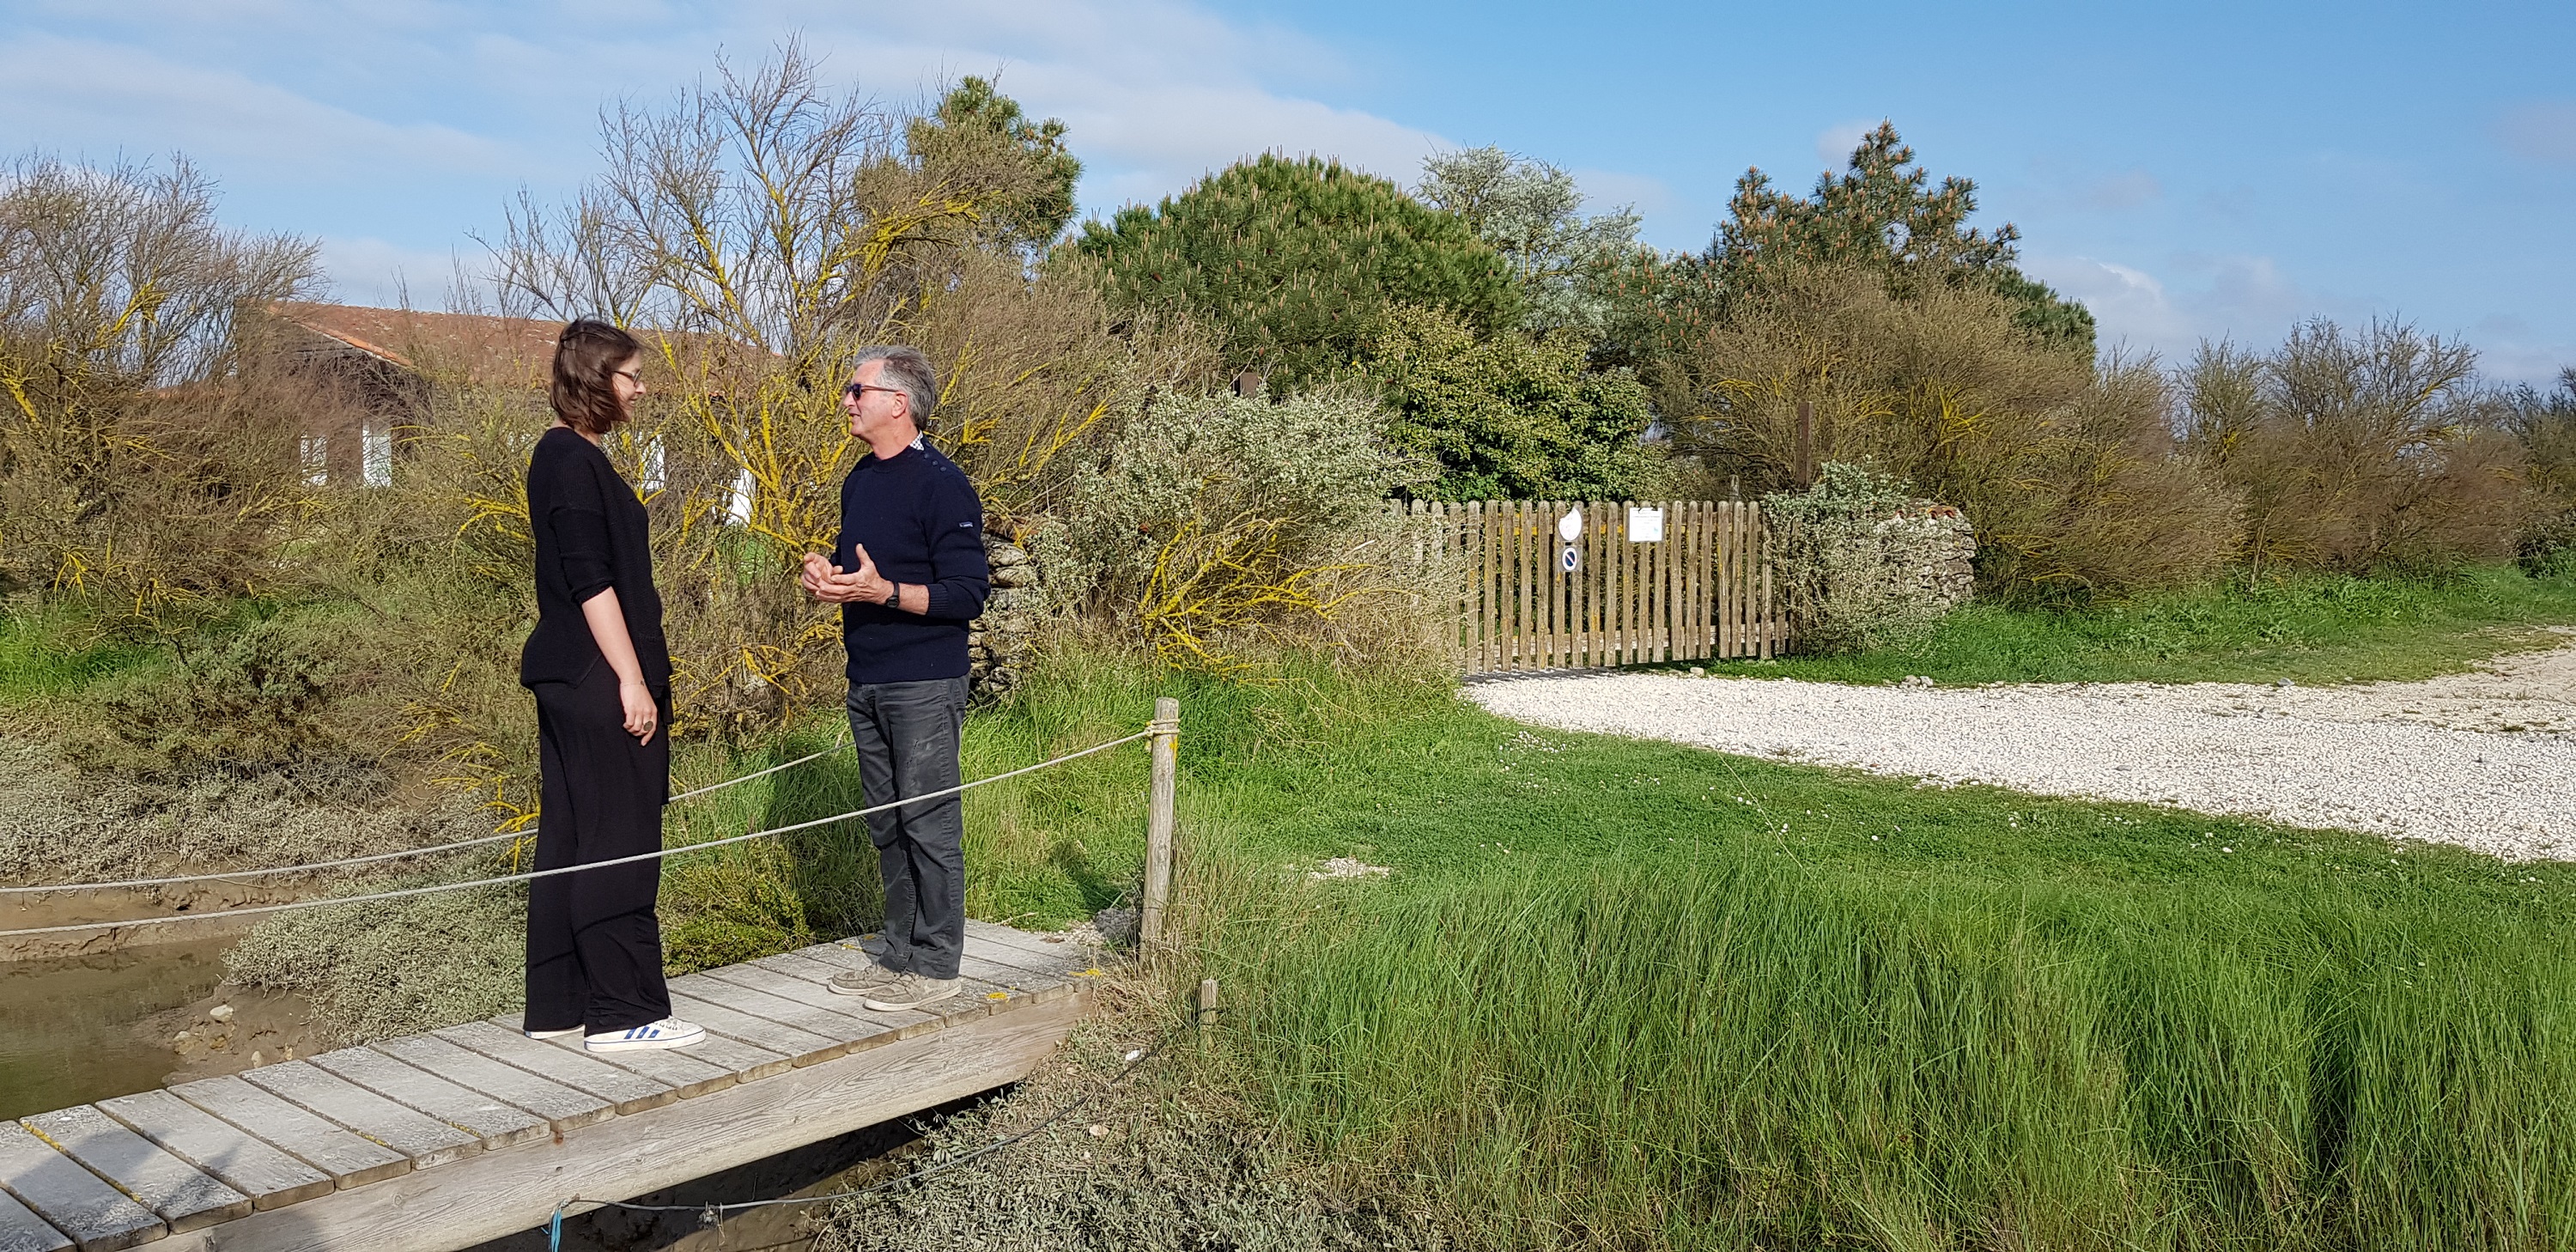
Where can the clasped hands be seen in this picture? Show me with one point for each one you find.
(826, 582)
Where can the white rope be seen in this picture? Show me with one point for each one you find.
(229, 875)
(328, 901)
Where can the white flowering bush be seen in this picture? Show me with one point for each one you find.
(1862, 563)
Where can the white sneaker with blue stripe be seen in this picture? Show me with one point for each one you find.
(670, 1032)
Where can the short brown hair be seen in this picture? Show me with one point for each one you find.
(587, 355)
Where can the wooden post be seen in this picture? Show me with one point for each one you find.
(1207, 1009)
(1166, 745)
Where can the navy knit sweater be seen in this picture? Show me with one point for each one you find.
(921, 523)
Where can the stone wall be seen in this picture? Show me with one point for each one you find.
(1000, 642)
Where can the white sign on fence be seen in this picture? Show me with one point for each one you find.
(1645, 525)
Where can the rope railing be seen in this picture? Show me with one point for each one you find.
(1158, 728)
(401, 854)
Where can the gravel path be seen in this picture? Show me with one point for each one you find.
(2486, 760)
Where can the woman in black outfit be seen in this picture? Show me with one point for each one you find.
(602, 678)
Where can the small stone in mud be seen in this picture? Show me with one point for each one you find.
(221, 1012)
(256, 1059)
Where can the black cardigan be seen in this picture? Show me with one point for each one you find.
(591, 534)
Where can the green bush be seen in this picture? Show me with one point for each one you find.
(1295, 262)
(260, 699)
(2547, 549)
(1853, 553)
(1506, 417)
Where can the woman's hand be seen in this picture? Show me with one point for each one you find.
(642, 714)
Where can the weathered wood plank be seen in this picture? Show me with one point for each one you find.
(904, 1025)
(1004, 946)
(183, 1196)
(875, 1030)
(803, 1047)
(630, 1092)
(684, 1070)
(975, 996)
(269, 1176)
(563, 1107)
(990, 975)
(351, 1160)
(22, 1231)
(425, 1139)
(71, 1199)
(502, 1193)
(497, 1123)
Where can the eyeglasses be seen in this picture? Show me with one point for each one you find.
(856, 390)
(630, 376)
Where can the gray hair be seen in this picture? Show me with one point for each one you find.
(908, 369)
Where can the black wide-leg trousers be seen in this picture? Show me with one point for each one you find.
(594, 942)
(907, 737)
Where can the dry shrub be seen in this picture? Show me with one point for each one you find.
(760, 230)
(1215, 524)
(146, 459)
(2070, 472)
(2363, 451)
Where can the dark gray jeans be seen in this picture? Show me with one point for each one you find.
(906, 735)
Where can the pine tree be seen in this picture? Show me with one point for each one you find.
(1296, 262)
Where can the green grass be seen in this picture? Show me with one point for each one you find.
(1632, 995)
(51, 651)
(2313, 630)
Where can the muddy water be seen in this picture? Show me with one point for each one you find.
(71, 1028)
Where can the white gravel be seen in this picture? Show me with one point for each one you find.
(2485, 760)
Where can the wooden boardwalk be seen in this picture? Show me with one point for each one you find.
(447, 1139)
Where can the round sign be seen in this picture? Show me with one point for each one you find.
(1569, 526)
(1572, 560)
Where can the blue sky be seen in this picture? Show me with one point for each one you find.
(2188, 170)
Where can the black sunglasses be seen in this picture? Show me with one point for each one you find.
(855, 390)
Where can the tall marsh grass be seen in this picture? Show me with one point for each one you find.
(1736, 1051)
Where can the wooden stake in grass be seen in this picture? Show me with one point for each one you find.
(1166, 745)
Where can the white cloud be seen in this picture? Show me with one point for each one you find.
(390, 129)
(1834, 143)
(390, 275)
(77, 92)
(2235, 296)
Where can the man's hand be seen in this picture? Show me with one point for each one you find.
(826, 582)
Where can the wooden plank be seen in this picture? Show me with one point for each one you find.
(1482, 599)
(270, 1177)
(692, 1071)
(801, 1047)
(499, 1194)
(22, 1231)
(351, 1160)
(625, 1090)
(997, 942)
(184, 1196)
(977, 983)
(1772, 636)
(856, 1036)
(905, 1024)
(1726, 580)
(849, 955)
(425, 1139)
(563, 1107)
(71, 1199)
(1703, 592)
(497, 1123)
(1521, 586)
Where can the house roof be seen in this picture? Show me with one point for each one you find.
(481, 349)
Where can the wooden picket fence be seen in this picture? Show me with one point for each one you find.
(1530, 598)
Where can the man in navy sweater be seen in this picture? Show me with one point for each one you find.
(909, 573)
